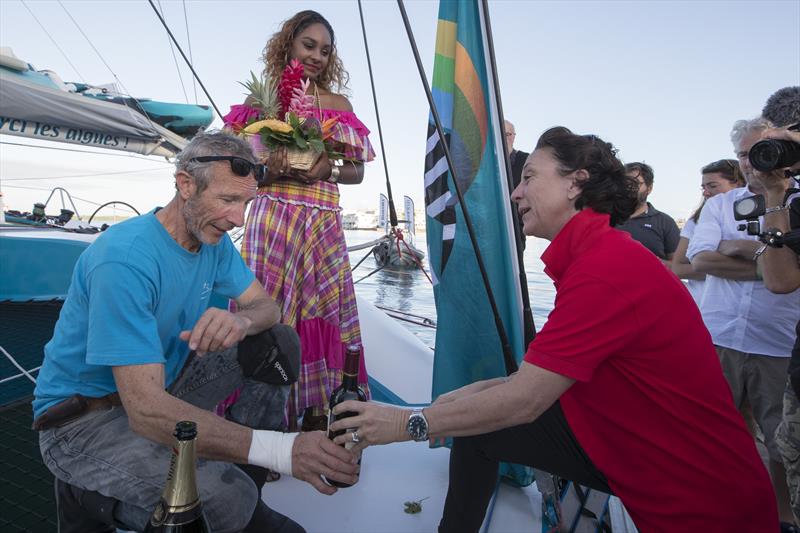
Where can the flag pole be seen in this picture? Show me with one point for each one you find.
(527, 314)
(508, 357)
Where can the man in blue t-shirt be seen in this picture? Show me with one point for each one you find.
(137, 349)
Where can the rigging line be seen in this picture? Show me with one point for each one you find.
(175, 58)
(88, 175)
(528, 326)
(111, 154)
(125, 89)
(52, 40)
(164, 23)
(189, 41)
(46, 189)
(508, 357)
(16, 364)
(392, 210)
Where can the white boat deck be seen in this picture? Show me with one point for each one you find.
(392, 475)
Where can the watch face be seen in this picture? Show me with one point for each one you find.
(417, 427)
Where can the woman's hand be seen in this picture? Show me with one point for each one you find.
(320, 171)
(374, 424)
(277, 164)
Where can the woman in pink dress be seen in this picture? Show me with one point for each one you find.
(293, 238)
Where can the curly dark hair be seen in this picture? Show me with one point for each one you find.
(276, 52)
(607, 189)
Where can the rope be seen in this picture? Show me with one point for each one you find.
(54, 42)
(15, 376)
(109, 153)
(189, 41)
(14, 362)
(362, 260)
(371, 273)
(392, 210)
(399, 235)
(370, 244)
(87, 175)
(188, 62)
(96, 51)
(175, 58)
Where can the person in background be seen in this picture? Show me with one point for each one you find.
(606, 396)
(657, 231)
(780, 268)
(717, 177)
(293, 239)
(518, 158)
(752, 328)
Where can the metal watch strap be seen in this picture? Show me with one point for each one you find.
(777, 208)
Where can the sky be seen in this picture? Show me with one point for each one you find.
(662, 80)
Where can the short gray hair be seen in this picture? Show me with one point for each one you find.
(210, 143)
(745, 127)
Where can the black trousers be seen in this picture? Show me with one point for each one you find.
(547, 443)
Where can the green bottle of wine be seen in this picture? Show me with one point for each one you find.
(348, 390)
(180, 509)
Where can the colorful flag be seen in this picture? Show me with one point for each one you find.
(468, 347)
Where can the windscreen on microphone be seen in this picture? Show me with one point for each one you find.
(783, 107)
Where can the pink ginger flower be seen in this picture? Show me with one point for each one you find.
(302, 104)
(291, 79)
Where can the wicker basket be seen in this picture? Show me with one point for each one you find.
(298, 159)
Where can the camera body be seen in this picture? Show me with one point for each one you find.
(751, 208)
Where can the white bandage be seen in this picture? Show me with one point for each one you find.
(273, 450)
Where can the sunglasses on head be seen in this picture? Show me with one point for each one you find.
(239, 165)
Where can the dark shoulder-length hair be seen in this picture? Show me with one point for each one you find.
(728, 169)
(607, 189)
(276, 53)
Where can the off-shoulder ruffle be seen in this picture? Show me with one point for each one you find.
(348, 131)
(239, 115)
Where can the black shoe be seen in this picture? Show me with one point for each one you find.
(83, 511)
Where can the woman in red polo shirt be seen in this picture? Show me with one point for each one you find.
(621, 390)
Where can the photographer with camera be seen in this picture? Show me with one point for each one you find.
(752, 328)
(780, 266)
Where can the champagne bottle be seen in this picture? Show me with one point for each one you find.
(348, 390)
(180, 510)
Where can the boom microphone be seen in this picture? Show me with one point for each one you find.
(783, 107)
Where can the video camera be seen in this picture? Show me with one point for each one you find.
(772, 154)
(750, 208)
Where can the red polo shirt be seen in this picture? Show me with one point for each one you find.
(650, 405)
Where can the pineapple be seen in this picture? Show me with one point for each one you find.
(264, 94)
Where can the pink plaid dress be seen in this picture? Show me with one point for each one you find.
(294, 243)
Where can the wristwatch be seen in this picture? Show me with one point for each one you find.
(417, 426)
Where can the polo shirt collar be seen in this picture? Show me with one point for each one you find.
(577, 236)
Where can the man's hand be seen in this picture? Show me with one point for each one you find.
(741, 248)
(216, 330)
(315, 455)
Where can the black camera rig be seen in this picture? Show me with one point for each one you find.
(750, 208)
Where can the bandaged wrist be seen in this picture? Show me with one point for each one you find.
(272, 449)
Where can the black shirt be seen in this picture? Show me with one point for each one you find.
(518, 158)
(655, 230)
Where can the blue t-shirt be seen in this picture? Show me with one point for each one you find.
(132, 292)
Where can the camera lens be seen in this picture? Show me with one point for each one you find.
(773, 154)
